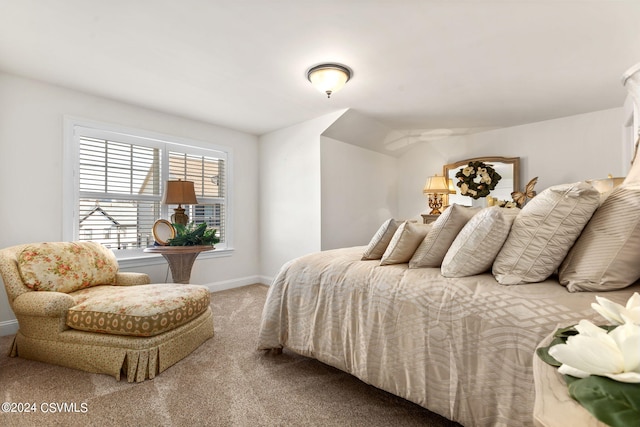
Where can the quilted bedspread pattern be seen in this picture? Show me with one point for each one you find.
(460, 347)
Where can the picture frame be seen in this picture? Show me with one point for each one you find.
(507, 167)
(163, 231)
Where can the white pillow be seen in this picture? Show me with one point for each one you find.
(404, 243)
(478, 243)
(606, 255)
(543, 233)
(381, 239)
(436, 243)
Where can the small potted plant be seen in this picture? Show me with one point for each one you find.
(194, 235)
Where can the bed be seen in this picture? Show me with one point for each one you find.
(461, 347)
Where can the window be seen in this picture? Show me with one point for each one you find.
(117, 182)
(208, 175)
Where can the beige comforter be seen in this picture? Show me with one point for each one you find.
(460, 347)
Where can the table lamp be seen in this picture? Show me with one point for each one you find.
(177, 193)
(436, 187)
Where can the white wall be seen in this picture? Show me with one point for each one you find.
(558, 151)
(31, 148)
(359, 192)
(290, 199)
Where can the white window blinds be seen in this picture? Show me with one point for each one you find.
(121, 181)
(119, 193)
(208, 176)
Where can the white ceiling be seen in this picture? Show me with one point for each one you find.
(417, 64)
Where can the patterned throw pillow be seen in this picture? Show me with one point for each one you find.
(605, 256)
(478, 243)
(543, 233)
(404, 243)
(381, 239)
(66, 266)
(436, 243)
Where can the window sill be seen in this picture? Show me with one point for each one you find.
(145, 259)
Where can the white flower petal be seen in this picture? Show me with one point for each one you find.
(634, 301)
(625, 377)
(611, 316)
(569, 370)
(627, 338)
(632, 309)
(586, 328)
(608, 309)
(590, 354)
(632, 316)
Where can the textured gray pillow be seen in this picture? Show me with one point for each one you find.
(436, 243)
(543, 233)
(381, 239)
(606, 255)
(478, 243)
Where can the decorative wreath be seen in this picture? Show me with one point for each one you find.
(477, 179)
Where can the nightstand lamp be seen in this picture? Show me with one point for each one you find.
(437, 188)
(605, 185)
(177, 193)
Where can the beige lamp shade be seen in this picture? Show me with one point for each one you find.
(605, 185)
(438, 185)
(179, 192)
(329, 78)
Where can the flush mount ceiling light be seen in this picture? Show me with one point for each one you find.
(328, 78)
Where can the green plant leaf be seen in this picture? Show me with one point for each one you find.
(543, 352)
(180, 229)
(194, 235)
(612, 402)
(560, 337)
(566, 332)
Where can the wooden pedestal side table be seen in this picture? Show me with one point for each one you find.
(180, 259)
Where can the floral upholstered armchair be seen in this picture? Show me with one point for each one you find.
(75, 309)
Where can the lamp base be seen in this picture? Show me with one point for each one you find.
(179, 217)
(435, 203)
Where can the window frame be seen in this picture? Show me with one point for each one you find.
(74, 127)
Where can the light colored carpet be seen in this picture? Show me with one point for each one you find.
(224, 382)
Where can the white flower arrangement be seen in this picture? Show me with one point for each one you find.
(601, 364)
(594, 351)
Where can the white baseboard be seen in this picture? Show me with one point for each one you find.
(265, 280)
(237, 283)
(8, 327)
